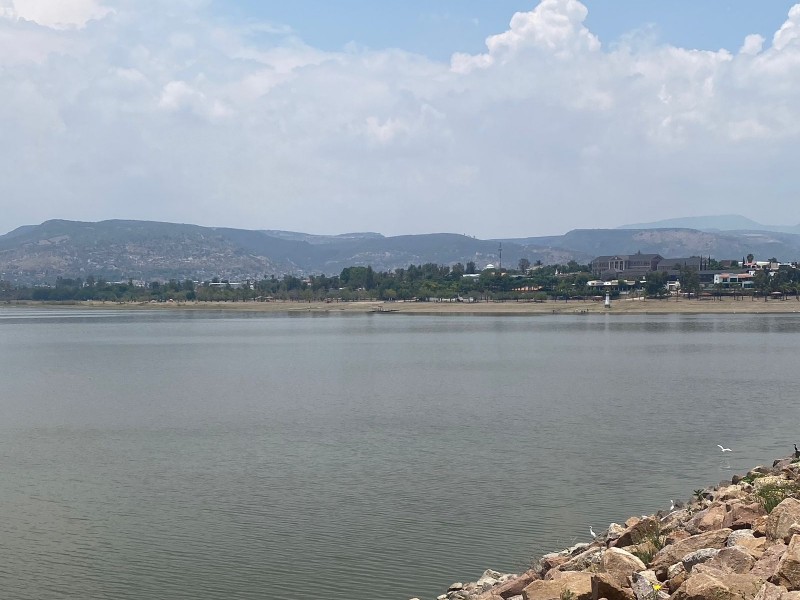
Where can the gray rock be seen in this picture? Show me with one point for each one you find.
(643, 588)
(737, 536)
(697, 557)
(455, 587)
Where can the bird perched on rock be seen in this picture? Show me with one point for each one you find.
(592, 533)
(796, 452)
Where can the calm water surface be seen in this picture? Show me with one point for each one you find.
(216, 456)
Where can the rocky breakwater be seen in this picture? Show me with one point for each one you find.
(736, 541)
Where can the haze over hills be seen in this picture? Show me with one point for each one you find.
(714, 223)
(145, 250)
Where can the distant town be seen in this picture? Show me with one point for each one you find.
(620, 275)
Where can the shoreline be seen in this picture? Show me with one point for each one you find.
(511, 308)
(738, 540)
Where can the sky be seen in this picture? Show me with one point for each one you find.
(492, 118)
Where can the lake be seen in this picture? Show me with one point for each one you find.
(149, 455)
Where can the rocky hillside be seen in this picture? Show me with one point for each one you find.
(121, 250)
(737, 541)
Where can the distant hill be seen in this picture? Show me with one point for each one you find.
(677, 242)
(119, 250)
(714, 223)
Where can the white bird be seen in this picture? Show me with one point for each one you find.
(672, 504)
(723, 448)
(592, 533)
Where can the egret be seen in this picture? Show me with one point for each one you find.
(592, 533)
(721, 447)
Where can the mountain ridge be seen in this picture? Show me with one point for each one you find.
(145, 250)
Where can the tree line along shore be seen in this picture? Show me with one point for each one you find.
(425, 283)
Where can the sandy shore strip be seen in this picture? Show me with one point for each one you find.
(650, 306)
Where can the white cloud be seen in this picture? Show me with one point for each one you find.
(753, 44)
(179, 95)
(164, 112)
(554, 27)
(56, 14)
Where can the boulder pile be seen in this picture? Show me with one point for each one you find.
(736, 541)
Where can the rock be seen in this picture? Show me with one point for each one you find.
(676, 575)
(731, 492)
(669, 555)
(760, 527)
(770, 591)
(578, 548)
(675, 520)
(582, 561)
(767, 565)
(488, 580)
(743, 516)
(790, 595)
(550, 561)
(706, 520)
(675, 570)
(615, 530)
(736, 536)
(604, 585)
(753, 546)
(788, 573)
(649, 575)
(677, 536)
(782, 518)
(515, 585)
(637, 531)
(455, 587)
(732, 560)
(697, 557)
(644, 588)
(578, 584)
(712, 584)
(620, 564)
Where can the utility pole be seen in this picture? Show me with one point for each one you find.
(500, 263)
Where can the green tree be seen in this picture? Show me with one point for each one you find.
(524, 264)
(689, 279)
(655, 283)
(761, 281)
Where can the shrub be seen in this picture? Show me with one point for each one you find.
(772, 494)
